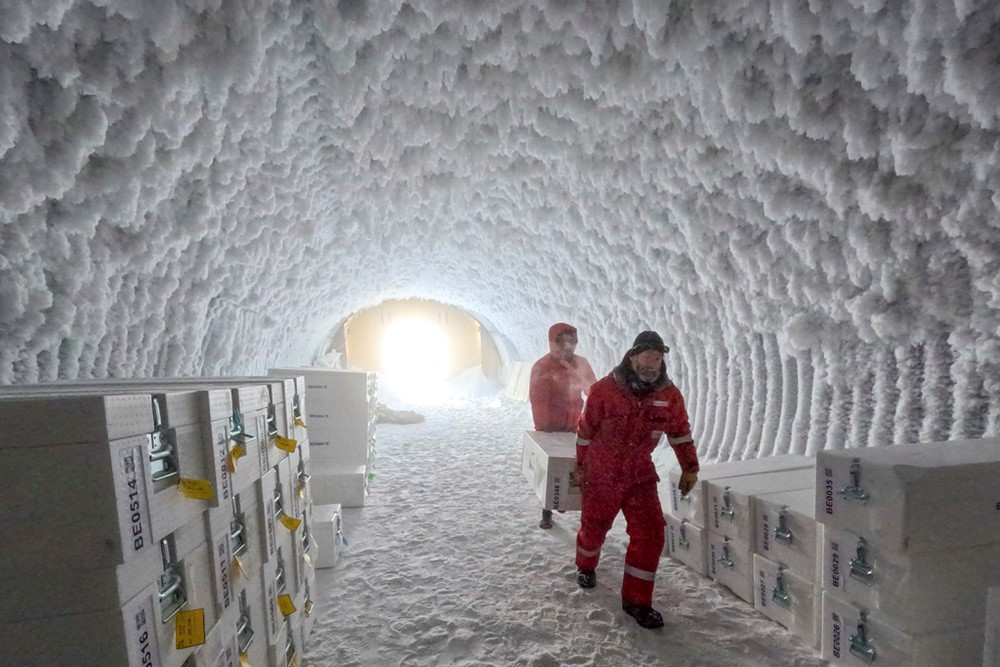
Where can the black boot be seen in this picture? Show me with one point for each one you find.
(586, 578)
(644, 615)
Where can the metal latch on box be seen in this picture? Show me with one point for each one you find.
(860, 568)
(237, 431)
(272, 422)
(726, 560)
(683, 540)
(172, 596)
(727, 506)
(279, 573)
(860, 647)
(289, 649)
(244, 630)
(161, 450)
(778, 592)
(781, 532)
(854, 491)
(304, 477)
(296, 410)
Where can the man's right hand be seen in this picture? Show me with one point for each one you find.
(687, 482)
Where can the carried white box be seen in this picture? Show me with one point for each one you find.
(916, 593)
(854, 637)
(925, 497)
(328, 531)
(730, 563)
(692, 507)
(788, 599)
(687, 543)
(788, 533)
(344, 485)
(731, 500)
(548, 461)
(991, 647)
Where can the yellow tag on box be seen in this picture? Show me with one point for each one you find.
(299, 422)
(286, 444)
(300, 490)
(244, 660)
(235, 454)
(190, 628)
(290, 523)
(238, 566)
(198, 489)
(295, 661)
(286, 605)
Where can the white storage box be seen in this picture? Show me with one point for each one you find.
(788, 599)
(285, 651)
(730, 563)
(687, 543)
(51, 587)
(925, 592)
(347, 486)
(548, 460)
(730, 500)
(328, 531)
(691, 506)
(787, 532)
(991, 648)
(853, 638)
(103, 515)
(124, 636)
(66, 420)
(276, 578)
(928, 497)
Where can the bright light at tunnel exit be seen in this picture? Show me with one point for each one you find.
(415, 360)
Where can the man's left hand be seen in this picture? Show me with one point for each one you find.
(687, 482)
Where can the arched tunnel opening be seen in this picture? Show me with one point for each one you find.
(422, 350)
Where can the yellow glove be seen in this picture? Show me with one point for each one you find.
(687, 482)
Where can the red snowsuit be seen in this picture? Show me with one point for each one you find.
(616, 437)
(556, 386)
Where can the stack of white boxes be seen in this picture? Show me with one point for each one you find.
(341, 421)
(786, 561)
(749, 526)
(911, 545)
(103, 552)
(687, 516)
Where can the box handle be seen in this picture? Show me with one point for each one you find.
(726, 560)
(781, 532)
(683, 541)
(860, 568)
(860, 647)
(727, 507)
(854, 491)
(778, 592)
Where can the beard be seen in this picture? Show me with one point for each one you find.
(648, 375)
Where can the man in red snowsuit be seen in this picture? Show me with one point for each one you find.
(627, 413)
(558, 381)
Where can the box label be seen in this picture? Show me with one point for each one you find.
(828, 490)
(763, 588)
(766, 532)
(836, 632)
(140, 633)
(133, 502)
(222, 569)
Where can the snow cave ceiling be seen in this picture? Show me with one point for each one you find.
(800, 195)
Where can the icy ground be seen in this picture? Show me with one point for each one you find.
(446, 565)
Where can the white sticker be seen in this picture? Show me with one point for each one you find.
(140, 632)
(133, 503)
(222, 559)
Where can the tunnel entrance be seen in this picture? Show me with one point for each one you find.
(417, 347)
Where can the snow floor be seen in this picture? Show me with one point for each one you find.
(446, 565)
